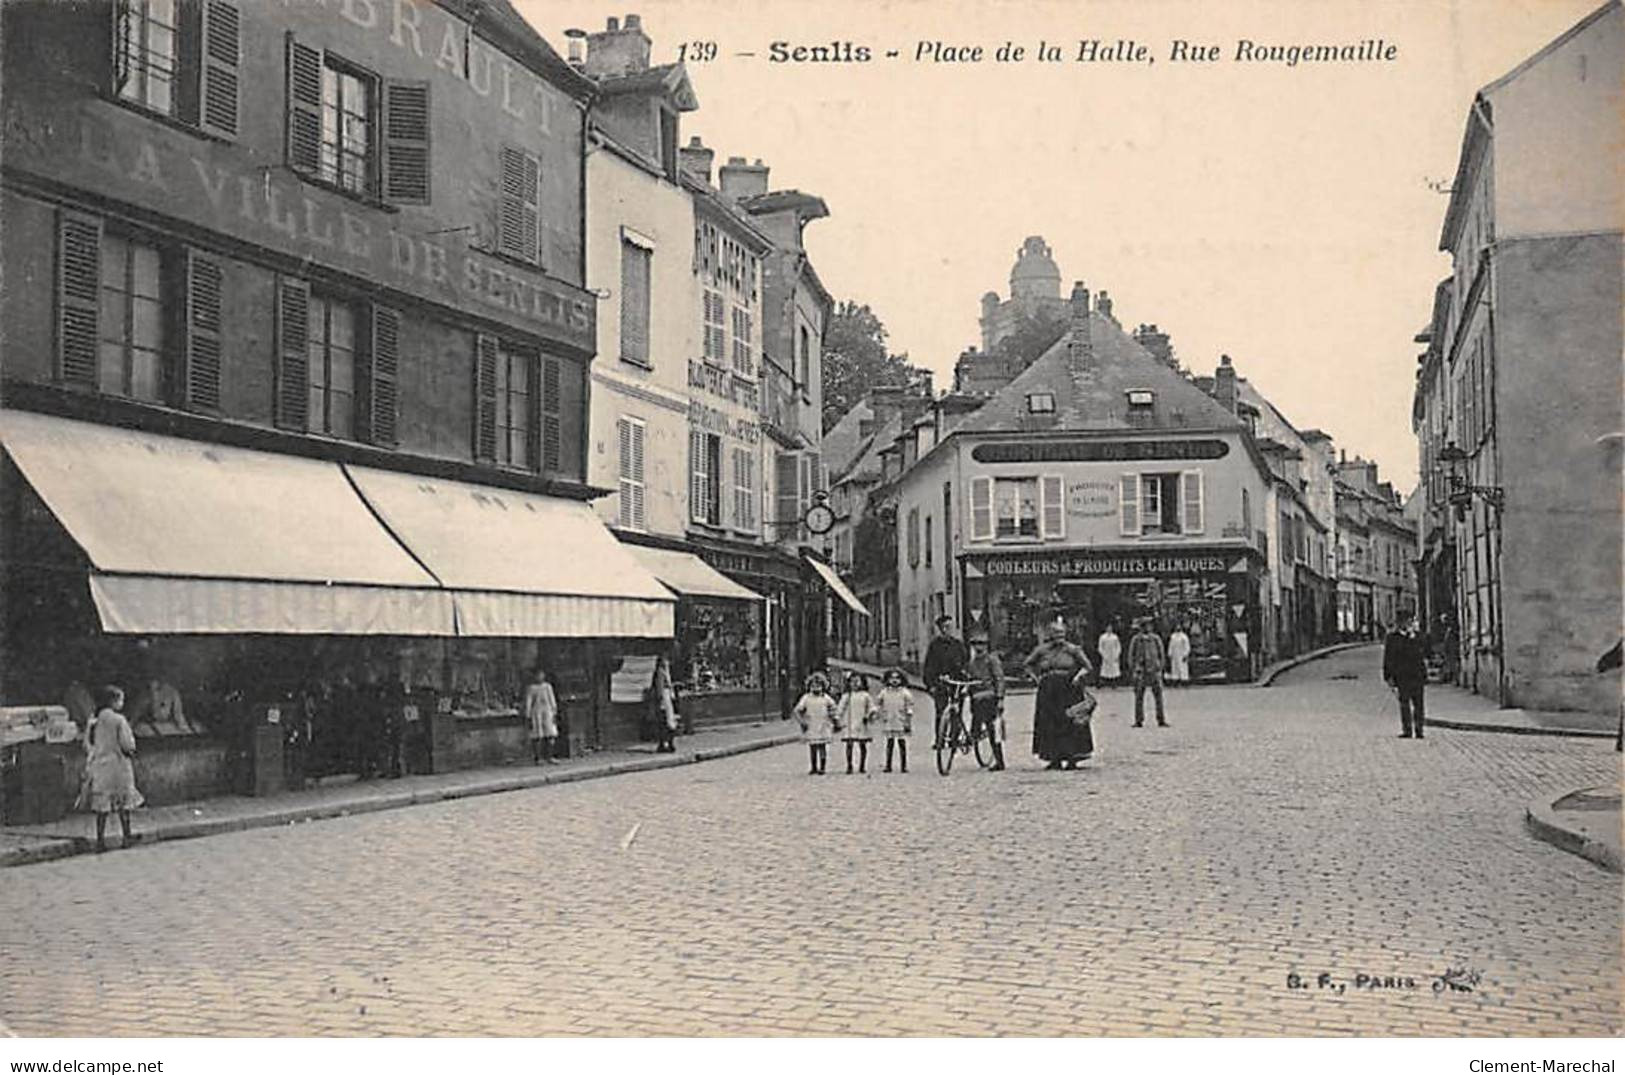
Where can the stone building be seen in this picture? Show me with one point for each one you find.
(1519, 398)
(296, 295)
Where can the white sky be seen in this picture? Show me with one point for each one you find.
(1279, 215)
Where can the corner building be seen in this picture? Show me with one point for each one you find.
(297, 385)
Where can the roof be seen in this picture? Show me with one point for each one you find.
(842, 441)
(670, 79)
(1091, 393)
(500, 17)
(867, 461)
(810, 206)
(708, 197)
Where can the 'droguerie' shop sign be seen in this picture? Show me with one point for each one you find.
(274, 208)
(1073, 566)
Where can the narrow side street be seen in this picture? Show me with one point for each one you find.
(1171, 888)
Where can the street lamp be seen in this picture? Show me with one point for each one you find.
(1462, 490)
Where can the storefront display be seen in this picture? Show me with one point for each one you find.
(718, 646)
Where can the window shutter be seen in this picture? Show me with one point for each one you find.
(121, 46)
(634, 302)
(1051, 506)
(406, 142)
(787, 496)
(218, 78)
(631, 482)
(521, 204)
(1191, 481)
(485, 398)
(1128, 493)
(78, 295)
(552, 423)
(304, 107)
(699, 493)
(382, 376)
(200, 372)
(981, 509)
(293, 353)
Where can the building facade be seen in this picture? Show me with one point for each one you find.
(354, 309)
(1519, 398)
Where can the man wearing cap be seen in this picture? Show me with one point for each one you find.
(1146, 662)
(987, 697)
(945, 658)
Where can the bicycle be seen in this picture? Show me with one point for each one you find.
(955, 735)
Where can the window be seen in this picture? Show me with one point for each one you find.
(806, 363)
(948, 533)
(635, 265)
(331, 368)
(129, 360)
(632, 431)
(1161, 503)
(743, 340)
(705, 483)
(1015, 507)
(929, 541)
(347, 104)
(1246, 511)
(716, 327)
(519, 212)
(744, 490)
(516, 413)
(145, 62)
(347, 128)
(1041, 403)
(1141, 397)
(913, 537)
(787, 509)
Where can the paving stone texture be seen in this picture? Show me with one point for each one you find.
(1172, 887)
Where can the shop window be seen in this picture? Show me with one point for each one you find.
(130, 351)
(331, 367)
(718, 646)
(632, 432)
(705, 483)
(744, 490)
(635, 268)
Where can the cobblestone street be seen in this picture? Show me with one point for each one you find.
(1170, 888)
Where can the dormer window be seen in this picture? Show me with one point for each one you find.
(1141, 397)
(1041, 403)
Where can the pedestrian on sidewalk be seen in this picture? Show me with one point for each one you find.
(664, 696)
(1146, 662)
(1179, 656)
(1061, 669)
(894, 711)
(1111, 656)
(816, 714)
(1404, 669)
(109, 769)
(855, 714)
(987, 697)
(541, 716)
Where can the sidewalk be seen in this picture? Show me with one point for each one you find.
(1585, 822)
(75, 834)
(1269, 675)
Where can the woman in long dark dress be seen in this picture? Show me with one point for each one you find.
(1060, 667)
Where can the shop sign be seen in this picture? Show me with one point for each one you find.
(1079, 565)
(714, 421)
(722, 384)
(1093, 451)
(1092, 498)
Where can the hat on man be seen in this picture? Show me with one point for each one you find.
(977, 634)
(944, 620)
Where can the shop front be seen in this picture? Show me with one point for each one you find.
(787, 648)
(275, 620)
(1213, 593)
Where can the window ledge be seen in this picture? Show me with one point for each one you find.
(164, 118)
(369, 200)
(638, 363)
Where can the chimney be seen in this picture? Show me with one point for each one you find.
(1224, 384)
(1079, 343)
(1104, 304)
(697, 159)
(617, 50)
(1156, 344)
(866, 428)
(740, 180)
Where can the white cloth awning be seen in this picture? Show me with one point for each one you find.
(842, 590)
(685, 573)
(189, 537)
(520, 564)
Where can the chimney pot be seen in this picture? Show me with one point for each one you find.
(612, 24)
(633, 22)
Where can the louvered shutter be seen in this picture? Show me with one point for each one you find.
(1052, 506)
(78, 290)
(406, 142)
(304, 107)
(638, 432)
(382, 376)
(520, 211)
(486, 358)
(1128, 493)
(200, 371)
(699, 489)
(552, 411)
(631, 483)
(293, 353)
(981, 509)
(634, 303)
(220, 58)
(787, 512)
(1191, 481)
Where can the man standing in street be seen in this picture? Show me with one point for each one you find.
(1146, 662)
(945, 658)
(1404, 668)
(987, 697)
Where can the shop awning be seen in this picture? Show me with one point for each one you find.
(684, 573)
(519, 564)
(187, 537)
(842, 590)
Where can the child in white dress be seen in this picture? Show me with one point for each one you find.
(816, 714)
(894, 712)
(855, 712)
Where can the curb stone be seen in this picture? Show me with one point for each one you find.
(1517, 729)
(1544, 824)
(1274, 672)
(50, 848)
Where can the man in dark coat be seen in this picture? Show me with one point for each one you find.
(1146, 662)
(946, 657)
(1404, 668)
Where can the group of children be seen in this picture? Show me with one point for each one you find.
(858, 716)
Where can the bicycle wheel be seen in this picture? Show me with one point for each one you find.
(947, 746)
(984, 746)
